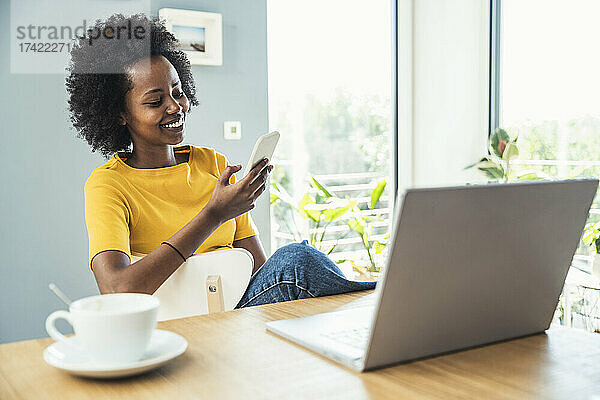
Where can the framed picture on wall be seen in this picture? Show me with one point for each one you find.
(200, 34)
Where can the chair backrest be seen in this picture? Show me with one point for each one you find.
(205, 283)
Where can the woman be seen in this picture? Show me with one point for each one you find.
(160, 199)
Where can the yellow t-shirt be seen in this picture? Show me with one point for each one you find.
(133, 210)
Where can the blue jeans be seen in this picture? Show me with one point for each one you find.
(297, 271)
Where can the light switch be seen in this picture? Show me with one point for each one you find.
(232, 130)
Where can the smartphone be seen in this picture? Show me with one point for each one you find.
(264, 148)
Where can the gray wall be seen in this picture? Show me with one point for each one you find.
(44, 166)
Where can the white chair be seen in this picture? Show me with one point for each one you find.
(205, 283)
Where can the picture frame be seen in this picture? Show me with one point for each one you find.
(200, 34)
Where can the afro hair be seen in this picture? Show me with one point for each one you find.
(97, 79)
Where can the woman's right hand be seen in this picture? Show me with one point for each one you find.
(231, 200)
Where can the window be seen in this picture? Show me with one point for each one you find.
(549, 86)
(330, 96)
(545, 89)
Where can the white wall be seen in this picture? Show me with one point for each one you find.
(443, 75)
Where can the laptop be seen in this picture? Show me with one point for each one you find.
(467, 266)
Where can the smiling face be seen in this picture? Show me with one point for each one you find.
(156, 106)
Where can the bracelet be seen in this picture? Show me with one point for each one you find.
(173, 247)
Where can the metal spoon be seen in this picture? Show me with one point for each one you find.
(59, 294)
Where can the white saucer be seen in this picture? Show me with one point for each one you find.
(163, 347)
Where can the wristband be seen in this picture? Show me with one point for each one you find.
(173, 247)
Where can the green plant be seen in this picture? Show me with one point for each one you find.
(363, 226)
(591, 236)
(560, 308)
(320, 210)
(497, 164)
(284, 207)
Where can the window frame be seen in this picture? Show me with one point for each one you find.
(494, 79)
(393, 91)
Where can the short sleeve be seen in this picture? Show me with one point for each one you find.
(244, 226)
(107, 216)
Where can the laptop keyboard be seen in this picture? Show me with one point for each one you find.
(365, 301)
(353, 337)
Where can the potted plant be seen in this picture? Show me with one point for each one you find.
(363, 226)
(497, 164)
(321, 209)
(591, 237)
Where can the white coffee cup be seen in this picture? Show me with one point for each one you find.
(110, 328)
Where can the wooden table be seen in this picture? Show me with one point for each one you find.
(231, 356)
